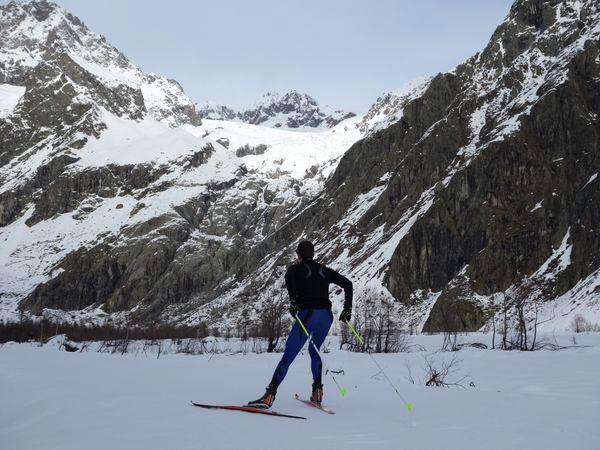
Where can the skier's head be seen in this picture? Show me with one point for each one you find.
(305, 250)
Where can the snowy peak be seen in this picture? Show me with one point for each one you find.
(292, 110)
(29, 29)
(216, 111)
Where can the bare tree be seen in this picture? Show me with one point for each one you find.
(273, 317)
(505, 307)
(521, 314)
(375, 320)
(578, 324)
(438, 373)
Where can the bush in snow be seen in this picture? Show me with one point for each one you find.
(375, 321)
(581, 325)
(28, 329)
(443, 373)
(273, 315)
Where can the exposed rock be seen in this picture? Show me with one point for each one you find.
(251, 150)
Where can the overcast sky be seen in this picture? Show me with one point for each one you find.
(342, 52)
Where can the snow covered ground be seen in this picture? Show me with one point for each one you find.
(541, 400)
(288, 151)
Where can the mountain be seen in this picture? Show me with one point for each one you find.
(486, 188)
(39, 31)
(112, 188)
(472, 186)
(215, 111)
(291, 110)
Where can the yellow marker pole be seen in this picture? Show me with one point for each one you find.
(342, 390)
(408, 405)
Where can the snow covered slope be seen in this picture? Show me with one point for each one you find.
(9, 97)
(301, 155)
(518, 400)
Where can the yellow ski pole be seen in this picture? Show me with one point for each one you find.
(342, 390)
(408, 405)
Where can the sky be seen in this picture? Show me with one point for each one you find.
(344, 53)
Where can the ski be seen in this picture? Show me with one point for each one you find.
(249, 409)
(313, 404)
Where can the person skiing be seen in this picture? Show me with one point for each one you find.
(307, 283)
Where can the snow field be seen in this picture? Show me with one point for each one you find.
(9, 97)
(521, 400)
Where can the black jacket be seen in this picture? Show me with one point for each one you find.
(308, 285)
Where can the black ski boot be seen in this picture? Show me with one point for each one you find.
(317, 392)
(266, 400)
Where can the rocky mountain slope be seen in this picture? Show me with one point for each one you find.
(291, 110)
(485, 189)
(468, 187)
(388, 108)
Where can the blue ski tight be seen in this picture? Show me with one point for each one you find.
(317, 322)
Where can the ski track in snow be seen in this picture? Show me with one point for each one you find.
(545, 400)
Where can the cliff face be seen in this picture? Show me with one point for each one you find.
(492, 173)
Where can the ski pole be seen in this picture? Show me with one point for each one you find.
(342, 390)
(408, 405)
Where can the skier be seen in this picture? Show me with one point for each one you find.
(307, 283)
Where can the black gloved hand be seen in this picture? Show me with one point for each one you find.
(293, 309)
(346, 315)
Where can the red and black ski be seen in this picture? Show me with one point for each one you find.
(313, 404)
(247, 409)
